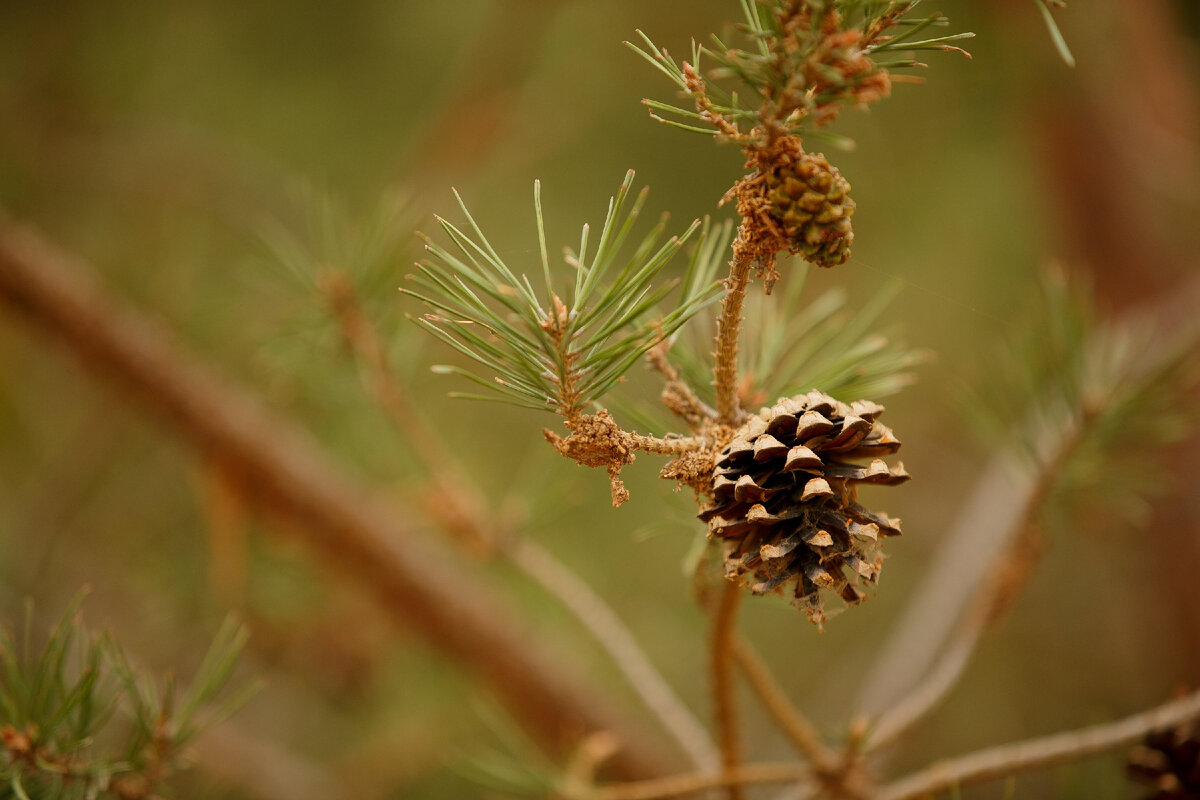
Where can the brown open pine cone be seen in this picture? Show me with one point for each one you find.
(784, 499)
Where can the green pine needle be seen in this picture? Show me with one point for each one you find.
(767, 73)
(1056, 36)
(549, 351)
(62, 700)
(1124, 385)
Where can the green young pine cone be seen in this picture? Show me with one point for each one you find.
(810, 201)
(785, 500)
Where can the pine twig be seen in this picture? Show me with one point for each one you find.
(723, 685)
(680, 398)
(1005, 760)
(729, 323)
(789, 718)
(682, 785)
(345, 523)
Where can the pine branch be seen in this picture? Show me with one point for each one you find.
(800, 62)
(61, 735)
(560, 351)
(1000, 762)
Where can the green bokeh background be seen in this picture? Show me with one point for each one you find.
(163, 141)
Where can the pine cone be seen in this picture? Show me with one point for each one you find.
(810, 202)
(785, 504)
(1169, 762)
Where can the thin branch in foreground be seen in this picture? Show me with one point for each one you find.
(1005, 760)
(1007, 574)
(467, 524)
(789, 718)
(682, 785)
(981, 530)
(610, 632)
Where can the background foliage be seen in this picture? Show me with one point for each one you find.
(173, 144)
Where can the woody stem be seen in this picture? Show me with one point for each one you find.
(729, 327)
(724, 688)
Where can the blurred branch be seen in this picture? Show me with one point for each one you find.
(468, 525)
(724, 689)
(1000, 762)
(682, 785)
(989, 516)
(261, 767)
(339, 519)
(611, 633)
(1113, 375)
(789, 718)
(1005, 577)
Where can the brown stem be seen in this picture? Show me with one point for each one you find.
(724, 687)
(1000, 762)
(677, 395)
(666, 447)
(350, 527)
(682, 785)
(789, 718)
(725, 372)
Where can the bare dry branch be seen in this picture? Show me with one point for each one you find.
(682, 785)
(980, 532)
(1006, 575)
(1000, 762)
(350, 527)
(612, 634)
(789, 718)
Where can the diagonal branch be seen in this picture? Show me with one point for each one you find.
(458, 508)
(789, 718)
(347, 525)
(1008, 572)
(683, 785)
(606, 628)
(1000, 762)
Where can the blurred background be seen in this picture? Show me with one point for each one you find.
(174, 145)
